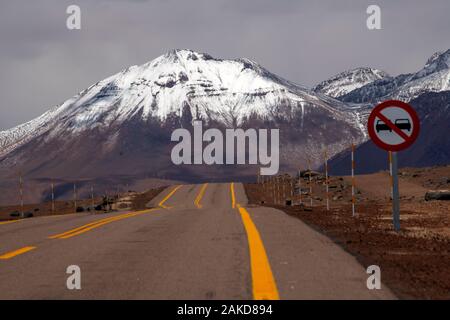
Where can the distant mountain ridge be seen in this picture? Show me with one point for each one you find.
(348, 81)
(433, 77)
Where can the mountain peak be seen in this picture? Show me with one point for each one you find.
(347, 81)
(440, 56)
(184, 55)
(437, 62)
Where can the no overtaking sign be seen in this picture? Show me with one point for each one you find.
(393, 126)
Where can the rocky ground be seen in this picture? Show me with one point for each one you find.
(415, 261)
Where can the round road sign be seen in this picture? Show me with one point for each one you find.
(393, 125)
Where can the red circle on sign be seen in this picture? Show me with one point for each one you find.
(399, 104)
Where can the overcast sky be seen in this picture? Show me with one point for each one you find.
(43, 63)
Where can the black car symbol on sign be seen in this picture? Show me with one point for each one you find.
(380, 126)
(402, 124)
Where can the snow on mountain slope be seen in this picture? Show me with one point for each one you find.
(228, 91)
(433, 77)
(348, 81)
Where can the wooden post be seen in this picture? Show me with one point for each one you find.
(92, 197)
(300, 185)
(273, 190)
(353, 180)
(75, 196)
(326, 180)
(292, 186)
(310, 184)
(21, 195)
(279, 190)
(53, 198)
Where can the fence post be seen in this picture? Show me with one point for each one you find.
(300, 185)
(22, 214)
(353, 180)
(92, 197)
(310, 184)
(274, 196)
(326, 180)
(53, 198)
(75, 196)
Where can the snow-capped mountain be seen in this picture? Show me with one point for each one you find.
(122, 124)
(433, 77)
(347, 81)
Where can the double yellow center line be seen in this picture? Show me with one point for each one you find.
(263, 281)
(96, 224)
(161, 204)
(200, 196)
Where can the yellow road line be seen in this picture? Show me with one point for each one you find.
(263, 281)
(233, 198)
(96, 224)
(161, 204)
(264, 287)
(89, 228)
(84, 226)
(14, 253)
(8, 222)
(200, 196)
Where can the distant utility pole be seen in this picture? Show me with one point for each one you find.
(21, 195)
(279, 190)
(75, 196)
(326, 180)
(353, 180)
(92, 197)
(300, 185)
(292, 185)
(53, 198)
(310, 184)
(272, 187)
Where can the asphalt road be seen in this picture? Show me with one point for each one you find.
(199, 242)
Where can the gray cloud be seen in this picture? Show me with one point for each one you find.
(42, 63)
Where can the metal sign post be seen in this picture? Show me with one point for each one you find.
(395, 193)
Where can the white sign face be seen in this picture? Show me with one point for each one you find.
(400, 118)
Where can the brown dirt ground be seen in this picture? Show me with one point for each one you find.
(414, 262)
